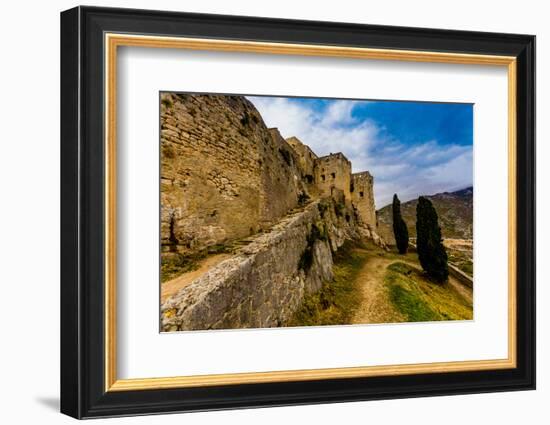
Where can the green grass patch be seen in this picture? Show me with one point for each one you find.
(464, 264)
(419, 299)
(467, 267)
(339, 209)
(177, 264)
(462, 259)
(322, 206)
(173, 266)
(336, 301)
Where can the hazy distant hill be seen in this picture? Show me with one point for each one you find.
(455, 211)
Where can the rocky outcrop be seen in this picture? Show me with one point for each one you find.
(265, 282)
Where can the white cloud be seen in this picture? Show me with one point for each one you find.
(324, 133)
(339, 113)
(414, 180)
(409, 170)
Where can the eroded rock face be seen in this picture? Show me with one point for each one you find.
(264, 284)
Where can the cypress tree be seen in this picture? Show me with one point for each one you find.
(400, 230)
(431, 252)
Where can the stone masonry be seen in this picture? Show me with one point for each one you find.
(307, 159)
(265, 282)
(333, 171)
(224, 177)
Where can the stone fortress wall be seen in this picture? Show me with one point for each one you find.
(307, 159)
(264, 283)
(226, 177)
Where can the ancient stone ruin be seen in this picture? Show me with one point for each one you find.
(226, 177)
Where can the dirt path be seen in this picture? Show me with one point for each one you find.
(376, 306)
(171, 287)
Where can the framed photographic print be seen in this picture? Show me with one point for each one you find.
(261, 212)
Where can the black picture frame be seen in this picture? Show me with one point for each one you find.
(83, 392)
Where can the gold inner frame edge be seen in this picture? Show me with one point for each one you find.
(112, 41)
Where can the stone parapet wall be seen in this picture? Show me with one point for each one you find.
(265, 282)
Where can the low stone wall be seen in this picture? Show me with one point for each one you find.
(264, 284)
(461, 276)
(454, 271)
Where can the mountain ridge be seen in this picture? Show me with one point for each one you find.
(454, 209)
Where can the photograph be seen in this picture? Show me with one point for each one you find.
(308, 211)
(284, 210)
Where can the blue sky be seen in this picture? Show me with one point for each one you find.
(411, 148)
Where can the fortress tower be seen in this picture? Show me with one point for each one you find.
(331, 175)
(362, 197)
(307, 158)
(333, 172)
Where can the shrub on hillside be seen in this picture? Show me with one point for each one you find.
(400, 230)
(431, 252)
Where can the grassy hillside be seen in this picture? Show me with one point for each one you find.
(421, 300)
(372, 285)
(455, 211)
